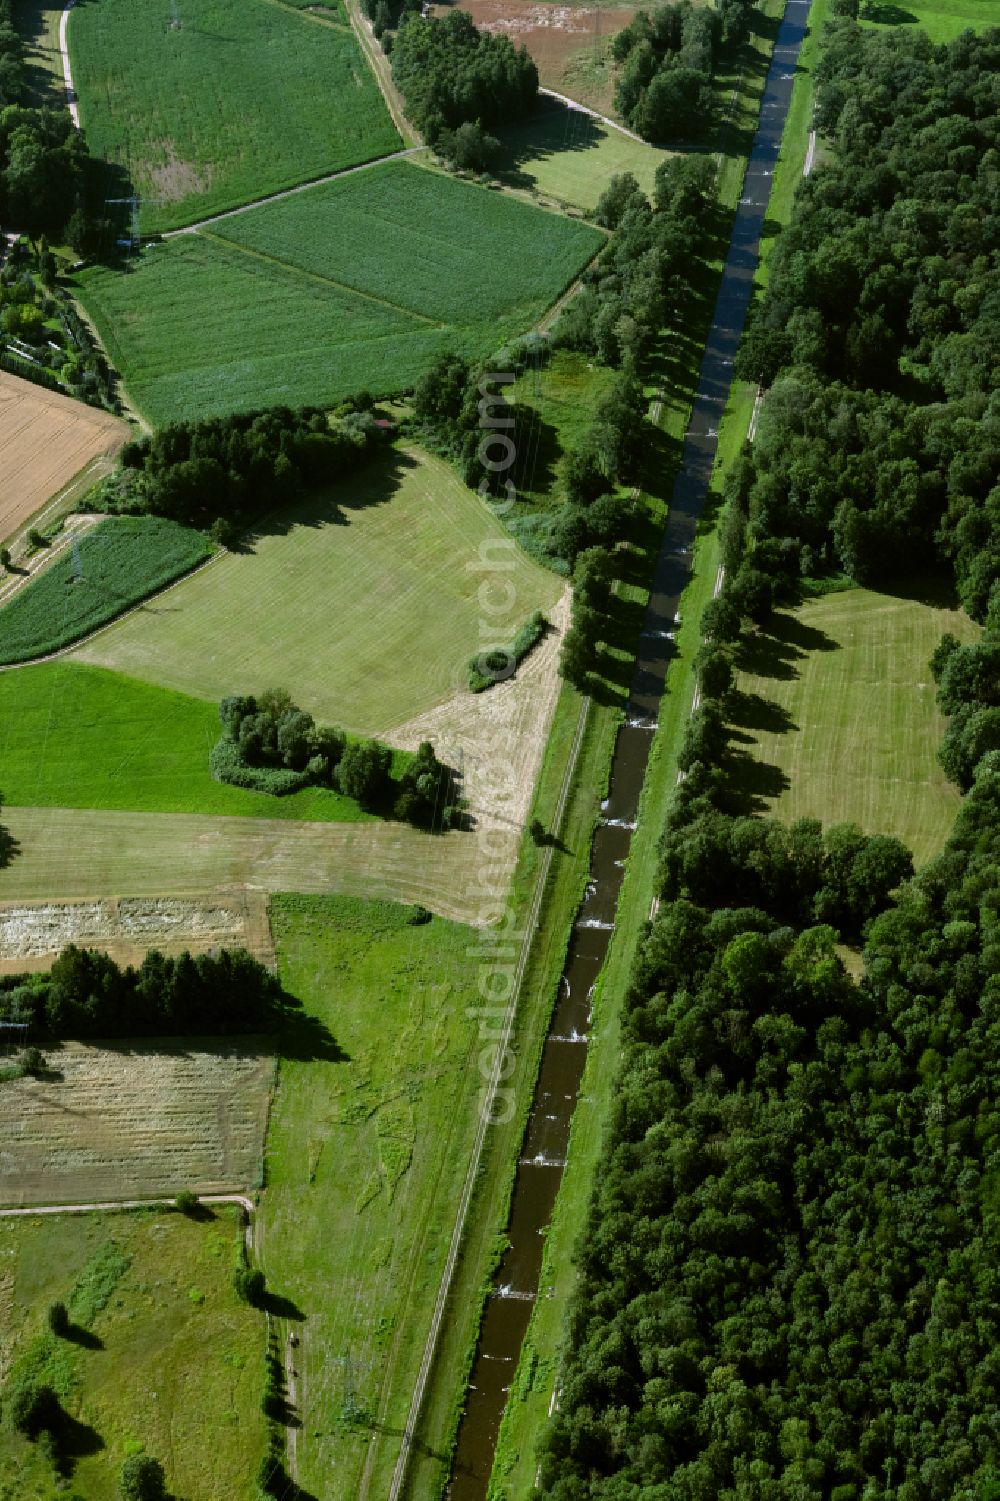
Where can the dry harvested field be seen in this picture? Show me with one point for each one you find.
(139, 1120)
(497, 738)
(46, 440)
(569, 43)
(127, 927)
(82, 853)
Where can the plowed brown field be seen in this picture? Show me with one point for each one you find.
(45, 441)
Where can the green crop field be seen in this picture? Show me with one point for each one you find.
(942, 19)
(571, 156)
(365, 1163)
(79, 737)
(241, 99)
(381, 620)
(354, 284)
(839, 720)
(163, 1356)
(122, 561)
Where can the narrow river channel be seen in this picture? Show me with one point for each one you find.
(543, 1154)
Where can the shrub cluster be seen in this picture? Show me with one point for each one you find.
(271, 745)
(498, 663)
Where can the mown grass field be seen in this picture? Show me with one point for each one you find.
(355, 284)
(365, 1164)
(75, 736)
(838, 720)
(941, 19)
(383, 616)
(570, 156)
(166, 1357)
(139, 1120)
(243, 98)
(108, 570)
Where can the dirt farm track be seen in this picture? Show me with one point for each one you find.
(45, 441)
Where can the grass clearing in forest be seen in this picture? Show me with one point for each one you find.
(162, 1356)
(354, 284)
(239, 99)
(106, 571)
(943, 20)
(365, 1162)
(571, 156)
(383, 616)
(836, 717)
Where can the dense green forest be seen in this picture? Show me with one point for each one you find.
(224, 472)
(451, 74)
(86, 994)
(879, 440)
(668, 57)
(787, 1286)
(49, 183)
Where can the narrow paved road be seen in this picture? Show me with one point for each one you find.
(67, 70)
(584, 109)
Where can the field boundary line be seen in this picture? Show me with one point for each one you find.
(97, 1207)
(472, 1175)
(326, 281)
(300, 187)
(596, 115)
(379, 64)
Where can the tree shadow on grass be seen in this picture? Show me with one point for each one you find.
(553, 130)
(374, 484)
(773, 653)
(751, 784)
(751, 711)
(883, 14)
(9, 847)
(72, 1441)
(86, 1339)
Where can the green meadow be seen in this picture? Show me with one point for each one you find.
(73, 736)
(162, 1356)
(365, 1163)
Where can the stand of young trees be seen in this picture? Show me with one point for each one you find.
(270, 744)
(451, 74)
(668, 58)
(86, 994)
(222, 472)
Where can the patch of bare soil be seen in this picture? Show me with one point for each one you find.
(568, 43)
(496, 739)
(127, 927)
(173, 178)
